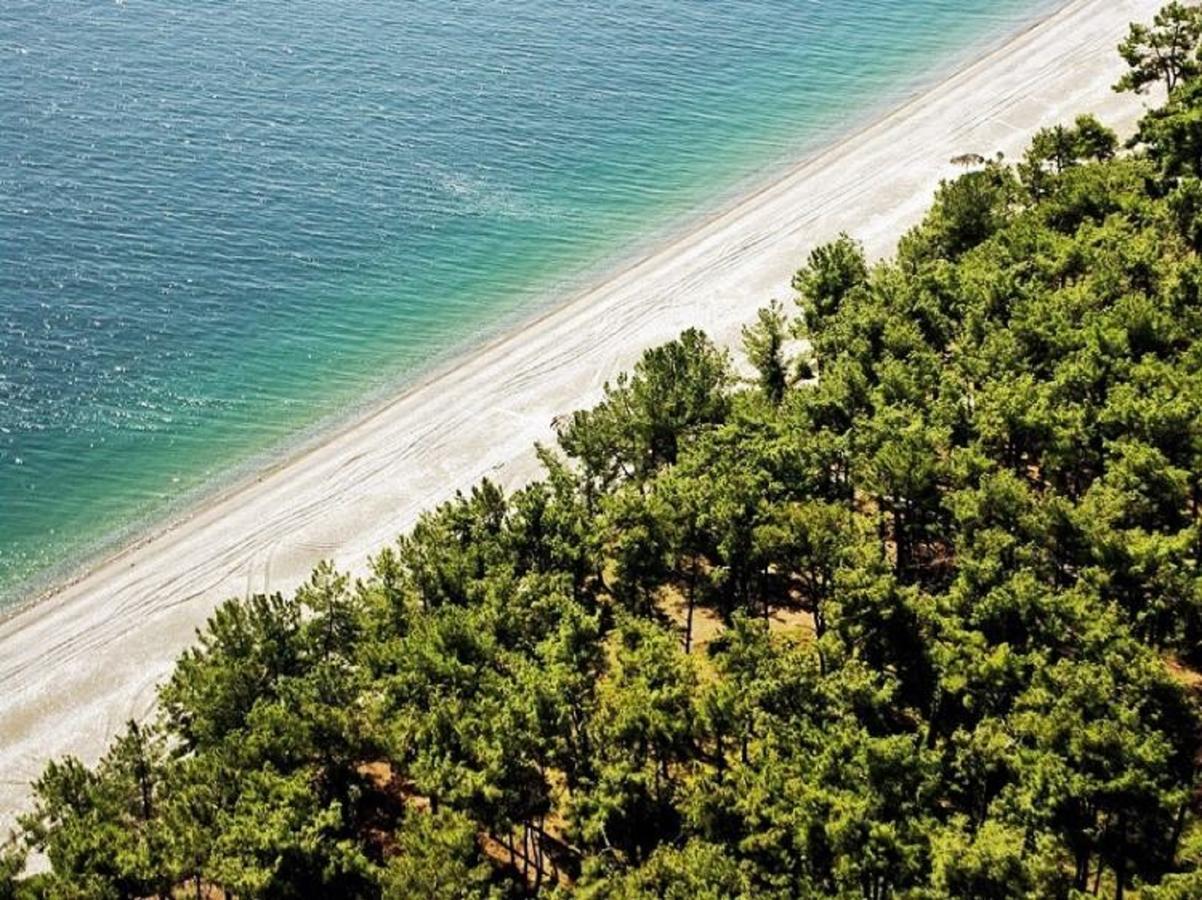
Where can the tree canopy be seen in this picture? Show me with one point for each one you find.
(915, 612)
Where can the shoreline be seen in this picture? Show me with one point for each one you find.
(23, 596)
(83, 657)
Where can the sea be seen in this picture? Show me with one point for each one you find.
(226, 227)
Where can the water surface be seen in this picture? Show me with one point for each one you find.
(223, 223)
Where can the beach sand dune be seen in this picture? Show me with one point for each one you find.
(74, 667)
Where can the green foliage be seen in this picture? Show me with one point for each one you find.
(966, 212)
(675, 391)
(1166, 51)
(12, 864)
(437, 857)
(951, 591)
(698, 871)
(642, 731)
(763, 342)
(833, 271)
(1057, 149)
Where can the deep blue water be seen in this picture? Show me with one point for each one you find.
(222, 223)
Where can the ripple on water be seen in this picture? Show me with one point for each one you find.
(219, 227)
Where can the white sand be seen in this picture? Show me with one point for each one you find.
(76, 666)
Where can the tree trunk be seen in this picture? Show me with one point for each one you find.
(1196, 504)
(538, 855)
(1178, 828)
(692, 598)
(1081, 879)
(525, 856)
(1120, 860)
(508, 844)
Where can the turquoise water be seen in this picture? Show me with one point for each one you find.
(223, 223)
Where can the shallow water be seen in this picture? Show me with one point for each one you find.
(224, 223)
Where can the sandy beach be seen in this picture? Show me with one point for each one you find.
(78, 664)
